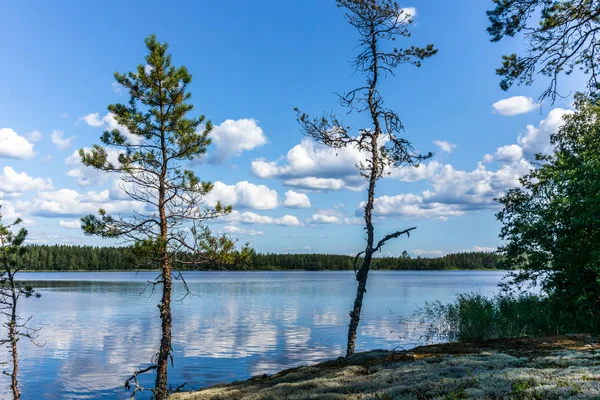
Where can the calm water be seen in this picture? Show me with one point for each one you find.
(98, 329)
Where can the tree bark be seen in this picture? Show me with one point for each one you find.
(161, 391)
(15, 357)
(363, 272)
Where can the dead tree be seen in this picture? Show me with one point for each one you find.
(377, 22)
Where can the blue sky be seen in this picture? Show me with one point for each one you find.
(252, 62)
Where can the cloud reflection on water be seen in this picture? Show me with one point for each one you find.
(235, 326)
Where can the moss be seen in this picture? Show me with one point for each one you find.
(546, 372)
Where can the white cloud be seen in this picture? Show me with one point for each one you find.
(110, 124)
(333, 216)
(71, 224)
(233, 137)
(407, 13)
(427, 253)
(253, 218)
(15, 183)
(87, 176)
(446, 147)
(411, 206)
(296, 200)
(314, 166)
(70, 203)
(478, 249)
(515, 105)
(93, 119)
(239, 231)
(510, 153)
(34, 136)
(14, 146)
(60, 141)
(243, 195)
(487, 158)
(454, 192)
(413, 174)
(537, 139)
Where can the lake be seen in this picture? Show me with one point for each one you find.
(98, 328)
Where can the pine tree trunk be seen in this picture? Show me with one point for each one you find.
(13, 341)
(164, 353)
(165, 342)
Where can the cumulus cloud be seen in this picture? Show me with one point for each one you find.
(333, 216)
(70, 203)
(14, 146)
(453, 193)
(93, 119)
(59, 140)
(233, 137)
(15, 183)
(243, 195)
(296, 200)
(314, 166)
(232, 229)
(515, 105)
(88, 176)
(413, 174)
(444, 146)
(253, 218)
(537, 139)
(71, 224)
(511, 153)
(407, 13)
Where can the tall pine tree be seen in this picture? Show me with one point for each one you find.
(159, 139)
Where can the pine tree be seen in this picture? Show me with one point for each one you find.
(160, 138)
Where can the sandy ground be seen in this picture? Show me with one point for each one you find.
(565, 367)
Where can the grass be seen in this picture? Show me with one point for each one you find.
(474, 317)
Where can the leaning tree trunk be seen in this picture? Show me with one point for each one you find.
(361, 277)
(363, 272)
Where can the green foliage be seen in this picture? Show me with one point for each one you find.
(563, 40)
(552, 224)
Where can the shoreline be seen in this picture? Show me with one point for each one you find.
(273, 270)
(556, 367)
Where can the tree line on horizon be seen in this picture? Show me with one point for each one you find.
(93, 258)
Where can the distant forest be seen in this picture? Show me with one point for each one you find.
(89, 258)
